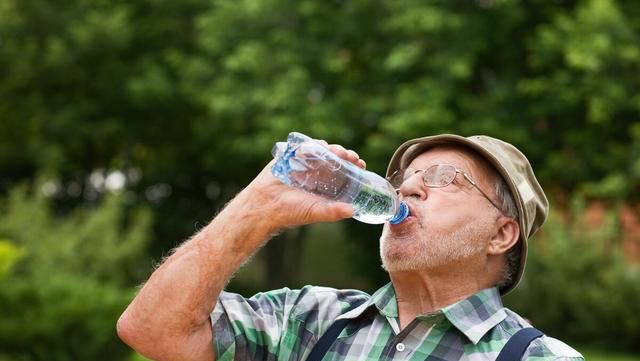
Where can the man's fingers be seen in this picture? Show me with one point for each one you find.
(353, 154)
(344, 153)
(347, 154)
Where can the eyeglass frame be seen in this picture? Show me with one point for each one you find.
(457, 170)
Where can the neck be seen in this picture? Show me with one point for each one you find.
(426, 291)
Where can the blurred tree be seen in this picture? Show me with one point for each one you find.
(178, 102)
(168, 92)
(64, 282)
(10, 254)
(88, 88)
(574, 298)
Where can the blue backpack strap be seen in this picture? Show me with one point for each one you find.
(518, 343)
(327, 339)
(330, 335)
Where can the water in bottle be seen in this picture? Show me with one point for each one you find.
(306, 164)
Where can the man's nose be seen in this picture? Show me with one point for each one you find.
(413, 187)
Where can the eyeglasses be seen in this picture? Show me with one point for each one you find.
(436, 176)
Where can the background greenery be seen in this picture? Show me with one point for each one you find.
(125, 126)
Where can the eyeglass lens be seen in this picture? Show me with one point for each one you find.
(439, 175)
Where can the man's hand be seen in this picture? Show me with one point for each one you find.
(291, 207)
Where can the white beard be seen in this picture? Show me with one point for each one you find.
(412, 251)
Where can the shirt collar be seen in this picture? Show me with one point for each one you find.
(476, 315)
(385, 301)
(473, 316)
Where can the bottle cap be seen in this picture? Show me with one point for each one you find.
(401, 215)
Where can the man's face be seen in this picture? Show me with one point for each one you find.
(447, 224)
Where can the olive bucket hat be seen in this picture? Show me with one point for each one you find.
(510, 163)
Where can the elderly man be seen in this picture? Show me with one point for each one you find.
(474, 203)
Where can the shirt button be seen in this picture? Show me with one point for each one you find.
(400, 347)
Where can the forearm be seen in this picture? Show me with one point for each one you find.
(175, 303)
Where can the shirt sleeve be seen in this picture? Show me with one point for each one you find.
(548, 348)
(258, 328)
(250, 328)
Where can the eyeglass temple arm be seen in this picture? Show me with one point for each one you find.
(480, 190)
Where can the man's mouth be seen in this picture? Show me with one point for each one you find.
(411, 210)
(411, 217)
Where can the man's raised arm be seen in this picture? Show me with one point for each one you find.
(169, 318)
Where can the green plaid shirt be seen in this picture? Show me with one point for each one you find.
(285, 325)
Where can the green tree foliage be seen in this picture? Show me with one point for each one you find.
(10, 254)
(189, 96)
(91, 86)
(184, 99)
(65, 281)
(578, 285)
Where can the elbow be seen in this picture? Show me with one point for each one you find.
(127, 330)
(133, 333)
(154, 343)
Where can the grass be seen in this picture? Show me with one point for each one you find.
(591, 354)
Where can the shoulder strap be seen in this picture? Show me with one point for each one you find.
(327, 339)
(330, 335)
(518, 343)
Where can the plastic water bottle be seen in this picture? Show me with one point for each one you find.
(306, 164)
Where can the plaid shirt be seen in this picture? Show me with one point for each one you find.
(286, 324)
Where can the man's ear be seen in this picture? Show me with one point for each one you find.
(505, 237)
